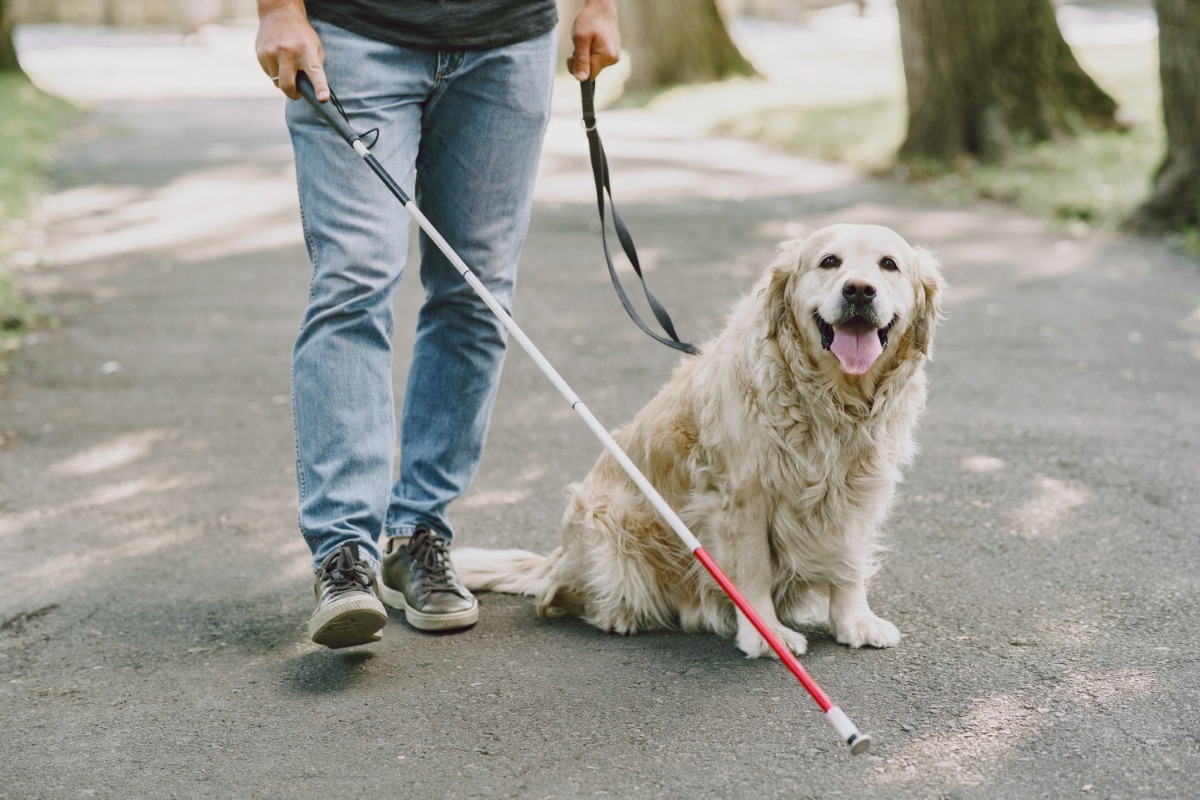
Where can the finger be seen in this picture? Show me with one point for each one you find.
(316, 74)
(580, 61)
(286, 80)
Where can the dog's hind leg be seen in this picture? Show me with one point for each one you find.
(558, 597)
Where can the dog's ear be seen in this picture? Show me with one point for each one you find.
(779, 282)
(930, 289)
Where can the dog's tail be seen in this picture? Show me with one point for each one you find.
(508, 571)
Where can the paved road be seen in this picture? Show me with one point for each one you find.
(155, 590)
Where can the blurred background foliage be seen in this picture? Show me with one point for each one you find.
(29, 129)
(824, 78)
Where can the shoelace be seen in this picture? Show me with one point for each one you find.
(347, 574)
(429, 551)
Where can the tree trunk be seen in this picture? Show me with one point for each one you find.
(1174, 202)
(8, 52)
(986, 74)
(672, 42)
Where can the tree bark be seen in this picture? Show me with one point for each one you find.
(1174, 202)
(987, 74)
(8, 51)
(672, 42)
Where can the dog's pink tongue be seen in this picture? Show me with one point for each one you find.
(856, 350)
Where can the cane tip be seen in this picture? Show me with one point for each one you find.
(859, 743)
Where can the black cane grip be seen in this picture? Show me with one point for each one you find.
(327, 110)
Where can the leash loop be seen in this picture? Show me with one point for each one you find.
(603, 187)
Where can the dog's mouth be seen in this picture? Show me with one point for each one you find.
(856, 342)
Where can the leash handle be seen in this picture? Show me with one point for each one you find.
(600, 173)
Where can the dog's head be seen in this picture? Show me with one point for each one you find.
(858, 296)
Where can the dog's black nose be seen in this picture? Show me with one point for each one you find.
(859, 293)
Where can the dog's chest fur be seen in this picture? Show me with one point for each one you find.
(821, 471)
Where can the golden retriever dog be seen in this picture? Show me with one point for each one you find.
(780, 447)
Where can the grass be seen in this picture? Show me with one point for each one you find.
(29, 128)
(1093, 180)
(865, 134)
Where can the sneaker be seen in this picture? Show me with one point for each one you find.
(348, 609)
(417, 576)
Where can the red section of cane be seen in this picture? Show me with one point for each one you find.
(781, 650)
(859, 742)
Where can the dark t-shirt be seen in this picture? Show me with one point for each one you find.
(440, 24)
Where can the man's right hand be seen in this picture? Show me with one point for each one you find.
(597, 39)
(286, 44)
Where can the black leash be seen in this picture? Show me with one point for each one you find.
(600, 171)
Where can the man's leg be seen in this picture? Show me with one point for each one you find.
(357, 239)
(484, 124)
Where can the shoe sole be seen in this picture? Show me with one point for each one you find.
(348, 623)
(430, 622)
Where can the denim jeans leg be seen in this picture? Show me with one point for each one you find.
(481, 143)
(357, 237)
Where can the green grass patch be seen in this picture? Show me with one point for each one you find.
(1095, 178)
(29, 130)
(865, 134)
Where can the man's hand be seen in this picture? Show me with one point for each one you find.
(287, 44)
(597, 39)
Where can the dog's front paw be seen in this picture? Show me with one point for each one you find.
(868, 630)
(752, 643)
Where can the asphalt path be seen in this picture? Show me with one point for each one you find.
(1043, 565)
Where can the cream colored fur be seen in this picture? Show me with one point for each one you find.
(780, 462)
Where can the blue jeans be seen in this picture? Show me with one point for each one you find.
(470, 125)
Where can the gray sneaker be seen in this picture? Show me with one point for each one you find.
(417, 576)
(348, 609)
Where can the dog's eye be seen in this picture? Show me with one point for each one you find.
(830, 262)
(888, 263)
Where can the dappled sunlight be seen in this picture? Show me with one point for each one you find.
(970, 749)
(87, 201)
(117, 452)
(1076, 625)
(192, 216)
(127, 490)
(982, 464)
(218, 61)
(89, 551)
(1045, 515)
(793, 60)
(95, 478)
(15, 523)
(76, 564)
(495, 497)
(249, 237)
(524, 485)
(651, 160)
